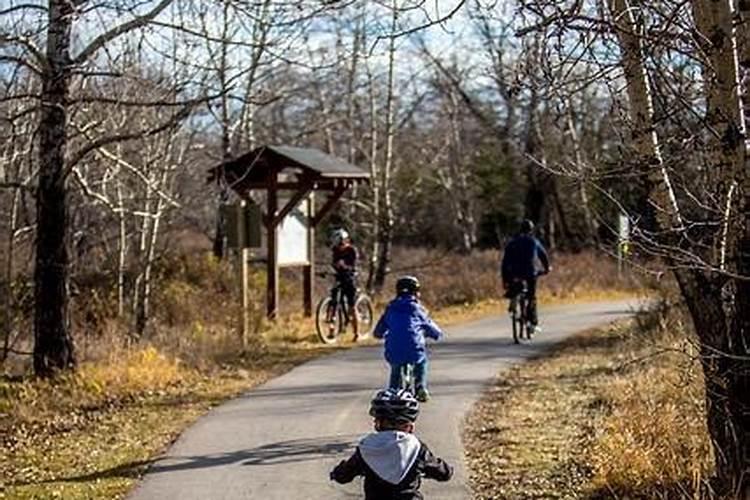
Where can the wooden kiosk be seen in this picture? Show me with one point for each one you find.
(293, 175)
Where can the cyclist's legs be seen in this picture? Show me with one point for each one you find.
(335, 293)
(531, 297)
(420, 374)
(395, 381)
(349, 291)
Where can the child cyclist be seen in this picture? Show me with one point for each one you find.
(404, 326)
(392, 459)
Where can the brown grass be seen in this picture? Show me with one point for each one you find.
(614, 413)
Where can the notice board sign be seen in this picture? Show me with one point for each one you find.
(294, 236)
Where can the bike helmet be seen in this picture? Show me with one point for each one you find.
(398, 406)
(527, 226)
(407, 284)
(338, 236)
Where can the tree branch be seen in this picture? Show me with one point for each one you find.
(135, 23)
(22, 6)
(103, 141)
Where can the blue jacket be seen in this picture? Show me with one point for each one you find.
(404, 325)
(519, 258)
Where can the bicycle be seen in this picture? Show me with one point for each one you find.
(332, 315)
(408, 381)
(518, 309)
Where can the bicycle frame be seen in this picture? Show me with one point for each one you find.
(518, 312)
(337, 294)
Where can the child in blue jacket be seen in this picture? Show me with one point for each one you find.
(404, 326)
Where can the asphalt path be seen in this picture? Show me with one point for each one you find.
(281, 439)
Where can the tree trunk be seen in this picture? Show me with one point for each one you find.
(226, 139)
(591, 235)
(53, 346)
(643, 132)
(724, 340)
(725, 344)
(385, 235)
(374, 172)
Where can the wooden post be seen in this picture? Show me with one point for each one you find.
(309, 270)
(272, 264)
(241, 240)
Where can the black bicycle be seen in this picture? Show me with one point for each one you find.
(518, 308)
(332, 315)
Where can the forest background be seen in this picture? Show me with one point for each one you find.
(469, 116)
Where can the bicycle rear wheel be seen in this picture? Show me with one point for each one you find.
(526, 325)
(328, 321)
(517, 331)
(365, 314)
(407, 378)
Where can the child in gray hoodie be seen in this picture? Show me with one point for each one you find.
(392, 459)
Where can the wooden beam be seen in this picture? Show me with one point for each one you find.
(272, 260)
(328, 184)
(308, 278)
(291, 204)
(328, 205)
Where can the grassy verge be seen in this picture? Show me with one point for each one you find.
(90, 436)
(614, 413)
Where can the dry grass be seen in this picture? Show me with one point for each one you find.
(615, 413)
(91, 435)
(457, 280)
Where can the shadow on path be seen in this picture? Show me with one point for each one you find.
(296, 450)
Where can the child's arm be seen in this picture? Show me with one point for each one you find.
(382, 327)
(430, 327)
(347, 470)
(434, 467)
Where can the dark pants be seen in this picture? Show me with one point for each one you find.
(515, 289)
(420, 376)
(346, 282)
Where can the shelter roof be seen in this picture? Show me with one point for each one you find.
(257, 169)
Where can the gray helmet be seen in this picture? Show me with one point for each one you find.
(527, 226)
(407, 284)
(397, 406)
(337, 236)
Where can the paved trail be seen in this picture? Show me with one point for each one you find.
(280, 440)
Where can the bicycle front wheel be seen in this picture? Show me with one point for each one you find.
(327, 321)
(365, 314)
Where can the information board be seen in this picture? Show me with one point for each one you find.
(293, 236)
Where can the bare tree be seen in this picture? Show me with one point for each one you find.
(698, 200)
(56, 66)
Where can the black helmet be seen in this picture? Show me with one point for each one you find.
(527, 226)
(398, 406)
(407, 284)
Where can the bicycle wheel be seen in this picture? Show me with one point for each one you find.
(327, 321)
(364, 311)
(526, 325)
(514, 319)
(407, 377)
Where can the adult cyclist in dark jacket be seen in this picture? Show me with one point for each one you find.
(344, 262)
(520, 265)
(392, 460)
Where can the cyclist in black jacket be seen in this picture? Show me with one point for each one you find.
(519, 265)
(392, 459)
(344, 261)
